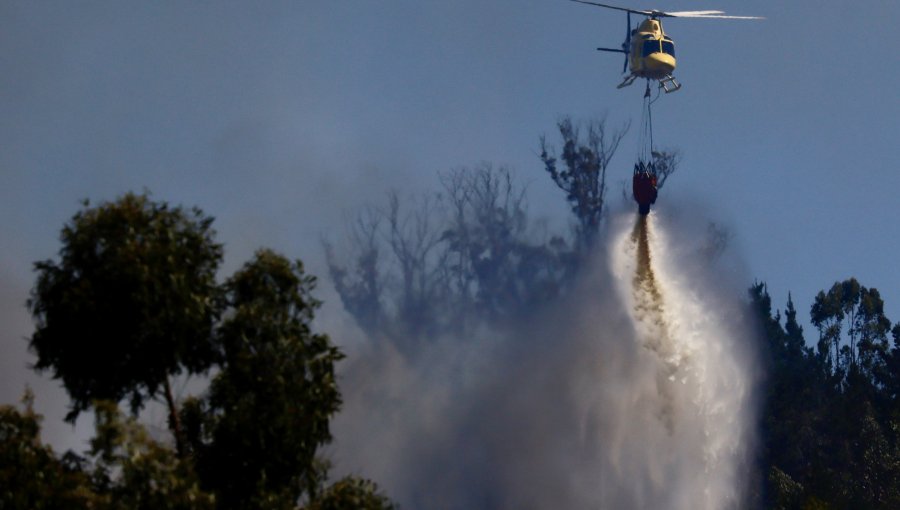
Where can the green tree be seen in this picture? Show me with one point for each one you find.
(256, 433)
(31, 476)
(795, 395)
(132, 471)
(830, 434)
(891, 377)
(853, 330)
(124, 468)
(131, 302)
(352, 494)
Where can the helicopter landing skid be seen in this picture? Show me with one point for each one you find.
(627, 81)
(669, 80)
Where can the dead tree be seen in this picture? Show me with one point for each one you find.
(665, 162)
(443, 263)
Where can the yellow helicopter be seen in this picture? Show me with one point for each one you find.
(649, 52)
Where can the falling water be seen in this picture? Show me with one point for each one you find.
(703, 377)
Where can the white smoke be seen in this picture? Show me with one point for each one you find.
(597, 403)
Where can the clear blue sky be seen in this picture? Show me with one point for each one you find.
(279, 119)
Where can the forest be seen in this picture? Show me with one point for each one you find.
(134, 301)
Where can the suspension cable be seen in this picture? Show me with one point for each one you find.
(645, 137)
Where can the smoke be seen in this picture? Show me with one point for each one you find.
(634, 392)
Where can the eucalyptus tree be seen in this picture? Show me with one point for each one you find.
(131, 302)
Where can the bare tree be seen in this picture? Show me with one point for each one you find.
(447, 261)
(665, 162)
(488, 238)
(414, 236)
(392, 277)
(360, 287)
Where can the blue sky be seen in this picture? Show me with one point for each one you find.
(281, 118)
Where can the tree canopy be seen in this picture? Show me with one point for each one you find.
(831, 419)
(256, 433)
(132, 301)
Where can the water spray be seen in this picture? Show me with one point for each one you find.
(703, 380)
(632, 392)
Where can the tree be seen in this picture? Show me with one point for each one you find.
(352, 493)
(124, 468)
(852, 325)
(131, 302)
(444, 262)
(414, 239)
(829, 424)
(134, 301)
(795, 344)
(256, 433)
(132, 471)
(361, 287)
(398, 285)
(31, 476)
(584, 177)
(892, 375)
(496, 269)
(665, 162)
(792, 423)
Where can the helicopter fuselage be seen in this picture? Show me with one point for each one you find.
(649, 52)
(652, 52)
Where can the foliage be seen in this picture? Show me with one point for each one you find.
(131, 301)
(133, 471)
(583, 178)
(852, 328)
(31, 476)
(256, 433)
(124, 469)
(352, 493)
(831, 421)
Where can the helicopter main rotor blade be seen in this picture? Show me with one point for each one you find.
(653, 13)
(645, 13)
(612, 50)
(691, 13)
(704, 14)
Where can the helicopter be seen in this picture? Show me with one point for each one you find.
(649, 52)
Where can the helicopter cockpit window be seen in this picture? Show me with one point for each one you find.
(668, 47)
(650, 47)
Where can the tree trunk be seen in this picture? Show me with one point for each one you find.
(174, 419)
